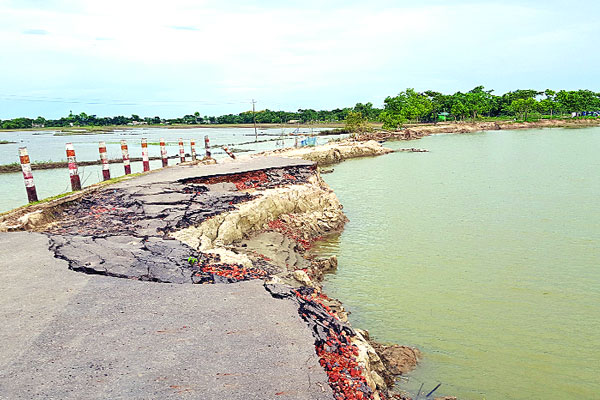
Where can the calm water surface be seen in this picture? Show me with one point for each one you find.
(485, 254)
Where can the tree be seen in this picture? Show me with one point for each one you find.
(458, 108)
(407, 106)
(367, 110)
(549, 104)
(439, 102)
(522, 107)
(40, 121)
(478, 101)
(356, 122)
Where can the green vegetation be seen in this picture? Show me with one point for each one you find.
(74, 124)
(192, 260)
(408, 106)
(411, 106)
(6, 142)
(356, 122)
(119, 178)
(16, 167)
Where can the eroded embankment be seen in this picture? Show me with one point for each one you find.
(254, 224)
(334, 152)
(412, 132)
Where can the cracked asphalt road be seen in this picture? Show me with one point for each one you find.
(122, 230)
(68, 335)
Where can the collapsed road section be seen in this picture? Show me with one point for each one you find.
(125, 230)
(223, 224)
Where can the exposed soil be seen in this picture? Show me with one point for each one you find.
(411, 132)
(124, 232)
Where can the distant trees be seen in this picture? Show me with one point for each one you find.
(17, 123)
(412, 106)
(408, 106)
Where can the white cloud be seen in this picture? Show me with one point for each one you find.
(289, 53)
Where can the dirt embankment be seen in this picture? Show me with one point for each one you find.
(411, 132)
(334, 152)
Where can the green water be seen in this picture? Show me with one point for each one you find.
(485, 254)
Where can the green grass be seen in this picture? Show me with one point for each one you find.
(46, 200)
(6, 142)
(118, 179)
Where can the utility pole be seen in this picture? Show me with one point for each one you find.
(254, 119)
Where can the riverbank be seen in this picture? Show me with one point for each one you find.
(411, 132)
(234, 222)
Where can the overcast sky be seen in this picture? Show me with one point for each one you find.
(175, 57)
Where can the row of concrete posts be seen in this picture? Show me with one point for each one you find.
(72, 162)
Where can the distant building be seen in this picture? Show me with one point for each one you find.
(293, 121)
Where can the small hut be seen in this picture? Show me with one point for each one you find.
(443, 116)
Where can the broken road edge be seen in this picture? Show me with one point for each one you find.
(236, 244)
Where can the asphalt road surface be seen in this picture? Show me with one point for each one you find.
(68, 335)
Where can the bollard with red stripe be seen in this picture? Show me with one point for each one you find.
(145, 159)
(163, 153)
(27, 175)
(125, 153)
(193, 149)
(75, 182)
(181, 150)
(104, 159)
(207, 146)
(229, 153)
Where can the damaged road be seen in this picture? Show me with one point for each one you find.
(241, 223)
(69, 335)
(123, 231)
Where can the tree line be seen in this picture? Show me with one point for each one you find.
(407, 106)
(246, 117)
(479, 103)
